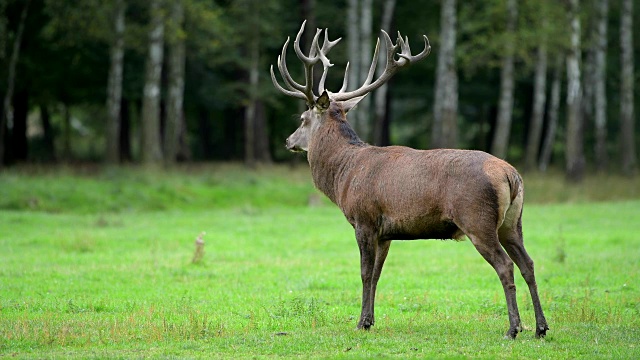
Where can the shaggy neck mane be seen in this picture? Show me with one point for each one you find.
(331, 151)
(336, 116)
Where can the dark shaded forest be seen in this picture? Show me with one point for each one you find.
(541, 83)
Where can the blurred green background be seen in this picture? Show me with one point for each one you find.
(73, 76)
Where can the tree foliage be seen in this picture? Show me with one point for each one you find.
(64, 65)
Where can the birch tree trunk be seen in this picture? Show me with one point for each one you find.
(627, 118)
(550, 134)
(574, 155)
(125, 131)
(114, 85)
(255, 126)
(151, 151)
(588, 75)
(176, 85)
(11, 77)
(444, 133)
(366, 51)
(505, 105)
(600, 93)
(381, 123)
(250, 109)
(539, 100)
(353, 52)
(353, 42)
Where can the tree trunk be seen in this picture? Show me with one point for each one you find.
(114, 85)
(19, 145)
(4, 37)
(381, 123)
(124, 137)
(47, 134)
(204, 133)
(574, 156)
(184, 150)
(11, 77)
(626, 91)
(150, 150)
(588, 76)
(250, 109)
(308, 12)
(444, 133)
(539, 100)
(263, 154)
(550, 135)
(600, 95)
(353, 54)
(505, 106)
(366, 51)
(176, 85)
(255, 126)
(66, 132)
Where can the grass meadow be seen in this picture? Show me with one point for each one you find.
(99, 263)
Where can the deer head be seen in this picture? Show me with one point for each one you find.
(398, 55)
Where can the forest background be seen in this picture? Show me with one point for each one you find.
(538, 82)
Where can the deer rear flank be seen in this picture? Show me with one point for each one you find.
(399, 193)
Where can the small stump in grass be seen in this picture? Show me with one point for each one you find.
(199, 253)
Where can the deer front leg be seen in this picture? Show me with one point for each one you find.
(367, 262)
(382, 249)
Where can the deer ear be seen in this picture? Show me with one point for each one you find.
(323, 101)
(351, 103)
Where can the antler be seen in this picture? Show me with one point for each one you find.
(392, 66)
(317, 53)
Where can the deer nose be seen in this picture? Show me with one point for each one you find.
(287, 143)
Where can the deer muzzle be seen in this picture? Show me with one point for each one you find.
(292, 146)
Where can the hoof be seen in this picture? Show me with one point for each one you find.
(541, 331)
(512, 333)
(365, 324)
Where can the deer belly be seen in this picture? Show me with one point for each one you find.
(419, 229)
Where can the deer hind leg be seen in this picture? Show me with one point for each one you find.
(489, 247)
(511, 240)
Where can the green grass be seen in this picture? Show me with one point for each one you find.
(97, 263)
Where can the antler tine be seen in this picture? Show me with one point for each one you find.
(414, 58)
(282, 66)
(374, 64)
(403, 50)
(312, 59)
(297, 94)
(297, 90)
(328, 44)
(326, 63)
(345, 81)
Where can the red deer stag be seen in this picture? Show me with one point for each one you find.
(399, 193)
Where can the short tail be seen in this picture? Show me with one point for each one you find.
(515, 183)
